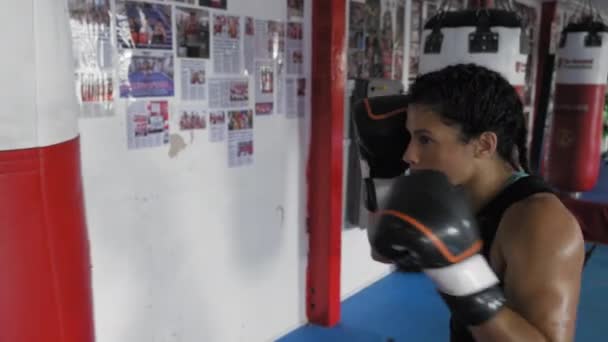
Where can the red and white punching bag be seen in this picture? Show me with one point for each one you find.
(582, 68)
(45, 283)
(488, 37)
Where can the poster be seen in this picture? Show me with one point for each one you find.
(146, 73)
(240, 138)
(192, 117)
(295, 9)
(295, 57)
(249, 43)
(358, 66)
(92, 51)
(147, 124)
(264, 87)
(228, 93)
(376, 38)
(144, 25)
(529, 19)
(264, 44)
(217, 125)
(264, 39)
(221, 4)
(279, 64)
(279, 106)
(193, 80)
(192, 32)
(226, 44)
(295, 97)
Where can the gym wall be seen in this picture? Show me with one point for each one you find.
(184, 246)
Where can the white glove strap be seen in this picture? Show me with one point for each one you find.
(464, 278)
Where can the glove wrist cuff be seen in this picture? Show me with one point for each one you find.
(477, 308)
(469, 276)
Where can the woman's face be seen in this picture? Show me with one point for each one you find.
(438, 146)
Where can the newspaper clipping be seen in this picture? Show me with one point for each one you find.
(295, 57)
(217, 125)
(264, 87)
(226, 44)
(147, 124)
(228, 93)
(249, 45)
(240, 138)
(296, 93)
(194, 80)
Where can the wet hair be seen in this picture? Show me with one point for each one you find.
(478, 100)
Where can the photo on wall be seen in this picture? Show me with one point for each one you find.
(295, 9)
(220, 4)
(376, 39)
(92, 51)
(147, 73)
(192, 32)
(192, 117)
(144, 25)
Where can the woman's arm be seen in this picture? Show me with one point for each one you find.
(543, 249)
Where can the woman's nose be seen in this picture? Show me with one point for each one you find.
(410, 156)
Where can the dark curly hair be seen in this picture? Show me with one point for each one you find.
(478, 100)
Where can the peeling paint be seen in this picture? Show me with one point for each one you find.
(177, 145)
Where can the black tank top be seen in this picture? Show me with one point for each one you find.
(488, 219)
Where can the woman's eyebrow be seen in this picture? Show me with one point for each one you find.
(421, 131)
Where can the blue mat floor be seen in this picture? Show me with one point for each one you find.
(405, 307)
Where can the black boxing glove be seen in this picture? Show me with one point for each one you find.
(428, 221)
(381, 137)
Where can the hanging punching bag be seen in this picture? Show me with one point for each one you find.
(45, 288)
(492, 38)
(582, 68)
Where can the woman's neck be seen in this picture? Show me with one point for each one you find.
(487, 184)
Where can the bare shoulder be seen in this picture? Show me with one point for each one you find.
(543, 251)
(542, 222)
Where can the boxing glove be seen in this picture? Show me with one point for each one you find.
(381, 139)
(428, 221)
(380, 134)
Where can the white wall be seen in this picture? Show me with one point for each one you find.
(185, 248)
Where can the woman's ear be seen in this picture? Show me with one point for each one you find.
(485, 145)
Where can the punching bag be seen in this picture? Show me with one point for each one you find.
(576, 136)
(492, 38)
(45, 286)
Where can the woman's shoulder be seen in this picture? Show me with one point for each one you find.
(541, 218)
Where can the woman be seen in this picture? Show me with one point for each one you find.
(467, 122)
